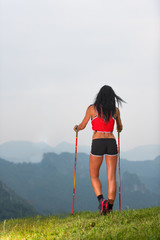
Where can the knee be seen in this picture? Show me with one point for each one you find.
(94, 174)
(93, 177)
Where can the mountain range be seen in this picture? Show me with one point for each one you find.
(48, 185)
(12, 205)
(25, 151)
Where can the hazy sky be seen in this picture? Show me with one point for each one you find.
(55, 55)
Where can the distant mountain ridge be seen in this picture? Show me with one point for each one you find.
(25, 151)
(142, 153)
(48, 185)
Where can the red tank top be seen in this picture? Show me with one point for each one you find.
(98, 124)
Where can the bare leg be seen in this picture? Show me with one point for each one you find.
(111, 162)
(94, 166)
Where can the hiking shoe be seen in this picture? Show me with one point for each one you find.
(109, 210)
(103, 207)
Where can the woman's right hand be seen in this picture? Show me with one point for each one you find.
(119, 130)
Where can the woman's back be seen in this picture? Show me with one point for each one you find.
(102, 129)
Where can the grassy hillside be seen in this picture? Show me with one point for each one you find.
(128, 224)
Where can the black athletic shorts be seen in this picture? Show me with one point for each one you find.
(101, 146)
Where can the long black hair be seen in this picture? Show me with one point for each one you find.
(105, 102)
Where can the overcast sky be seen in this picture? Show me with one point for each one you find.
(55, 55)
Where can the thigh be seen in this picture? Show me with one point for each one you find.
(111, 162)
(94, 165)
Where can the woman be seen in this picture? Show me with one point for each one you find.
(103, 113)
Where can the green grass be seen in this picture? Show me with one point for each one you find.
(129, 224)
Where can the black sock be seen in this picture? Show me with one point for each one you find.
(110, 206)
(100, 197)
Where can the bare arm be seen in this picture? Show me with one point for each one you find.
(118, 121)
(83, 124)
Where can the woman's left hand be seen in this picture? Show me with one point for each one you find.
(75, 128)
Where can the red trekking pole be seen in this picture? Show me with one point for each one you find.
(119, 171)
(75, 171)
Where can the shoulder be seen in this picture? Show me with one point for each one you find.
(91, 108)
